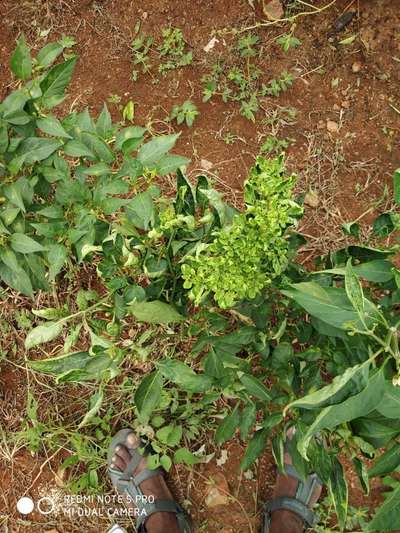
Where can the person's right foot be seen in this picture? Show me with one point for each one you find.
(282, 520)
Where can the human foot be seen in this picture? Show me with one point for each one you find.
(289, 511)
(146, 492)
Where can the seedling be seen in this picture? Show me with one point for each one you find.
(187, 112)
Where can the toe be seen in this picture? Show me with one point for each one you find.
(123, 454)
(132, 441)
(118, 463)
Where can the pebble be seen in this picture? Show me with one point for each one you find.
(356, 67)
(332, 126)
(206, 165)
(218, 492)
(273, 10)
(311, 199)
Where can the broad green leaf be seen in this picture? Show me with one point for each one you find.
(171, 163)
(362, 473)
(61, 364)
(354, 290)
(3, 137)
(338, 491)
(329, 304)
(56, 80)
(336, 391)
(25, 245)
(141, 211)
(255, 387)
(155, 312)
(18, 280)
(183, 455)
(389, 406)
(148, 394)
(76, 148)
(213, 365)
(35, 149)
(166, 462)
(183, 376)
(185, 199)
(151, 153)
(44, 333)
(37, 267)
(56, 256)
(378, 271)
(356, 406)
(386, 463)
(387, 517)
(8, 257)
(215, 199)
(170, 435)
(133, 132)
(396, 187)
(13, 193)
(95, 403)
(255, 447)
(21, 61)
(247, 420)
(15, 102)
(98, 147)
(48, 54)
(104, 125)
(376, 429)
(228, 426)
(52, 126)
(99, 169)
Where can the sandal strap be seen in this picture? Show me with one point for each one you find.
(163, 506)
(146, 473)
(294, 505)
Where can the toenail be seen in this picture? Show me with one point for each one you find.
(114, 458)
(132, 440)
(117, 448)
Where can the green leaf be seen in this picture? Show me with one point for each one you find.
(56, 80)
(341, 387)
(389, 406)
(376, 429)
(329, 304)
(151, 153)
(8, 257)
(255, 448)
(361, 471)
(78, 149)
(386, 463)
(25, 245)
(377, 271)
(396, 187)
(155, 312)
(183, 455)
(18, 280)
(356, 406)
(104, 125)
(183, 376)
(56, 256)
(133, 132)
(141, 211)
(255, 387)
(61, 364)
(148, 394)
(3, 137)
(52, 126)
(166, 462)
(185, 199)
(352, 229)
(228, 426)
(170, 435)
(48, 54)
(42, 334)
(387, 517)
(354, 290)
(95, 403)
(35, 149)
(21, 61)
(171, 163)
(338, 491)
(247, 420)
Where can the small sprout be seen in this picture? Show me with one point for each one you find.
(187, 112)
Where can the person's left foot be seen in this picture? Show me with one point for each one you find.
(156, 486)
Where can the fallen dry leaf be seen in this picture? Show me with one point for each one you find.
(273, 9)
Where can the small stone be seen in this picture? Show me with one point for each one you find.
(336, 107)
(206, 165)
(356, 67)
(210, 45)
(346, 104)
(218, 492)
(273, 9)
(311, 199)
(332, 126)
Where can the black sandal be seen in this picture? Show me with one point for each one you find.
(128, 484)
